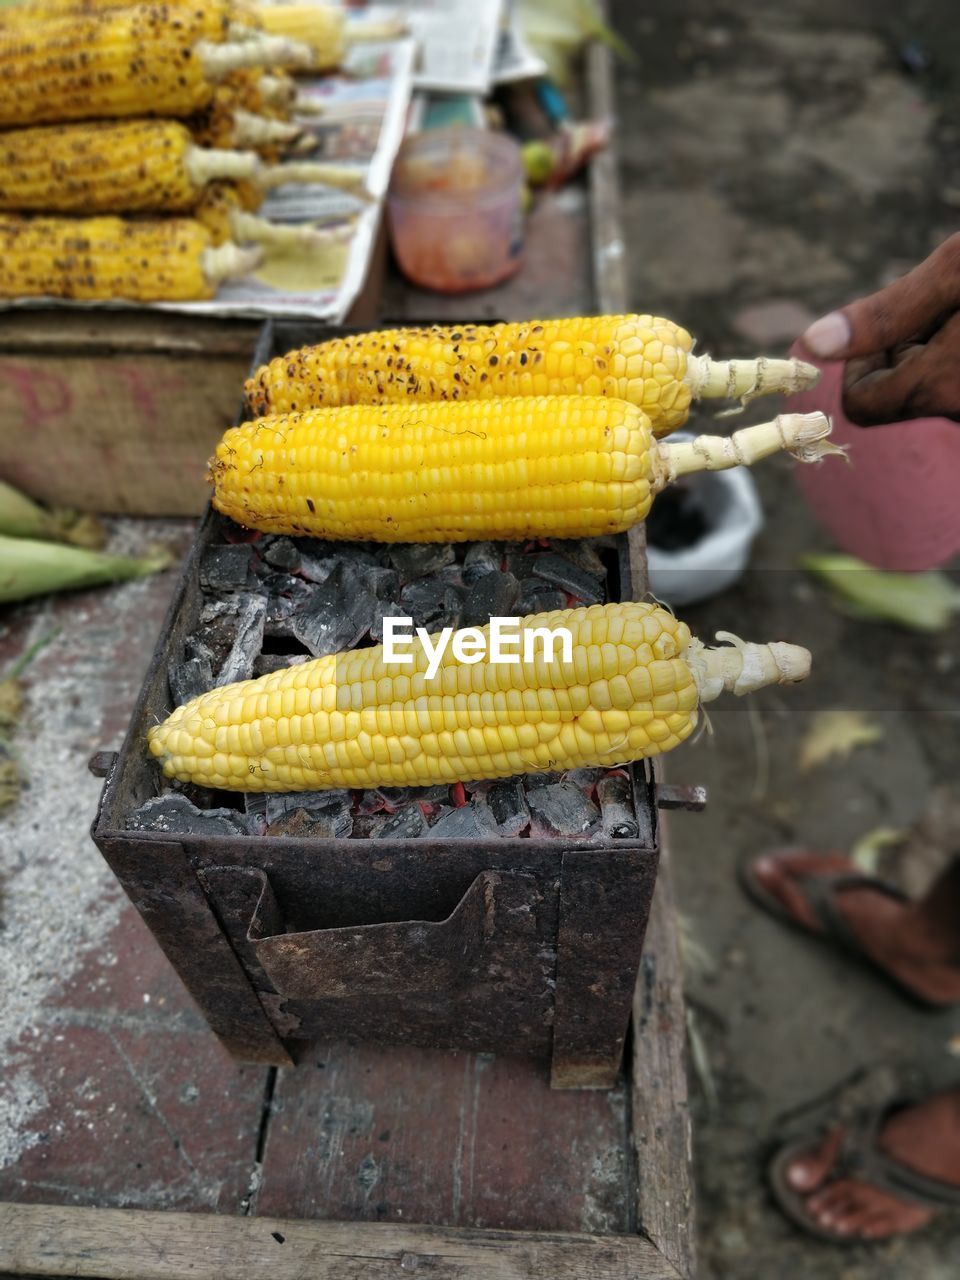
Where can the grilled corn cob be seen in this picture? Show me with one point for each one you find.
(144, 60)
(167, 260)
(226, 215)
(644, 359)
(320, 26)
(478, 469)
(111, 167)
(631, 688)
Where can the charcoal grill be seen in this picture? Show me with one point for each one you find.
(525, 946)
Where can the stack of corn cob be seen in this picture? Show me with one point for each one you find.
(139, 140)
(543, 429)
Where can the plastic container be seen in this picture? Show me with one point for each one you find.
(455, 209)
(896, 504)
(731, 511)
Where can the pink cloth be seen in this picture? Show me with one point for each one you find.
(897, 505)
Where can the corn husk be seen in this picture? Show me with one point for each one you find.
(32, 568)
(557, 29)
(919, 601)
(21, 517)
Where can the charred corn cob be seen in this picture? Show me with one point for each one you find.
(318, 25)
(229, 126)
(144, 60)
(225, 213)
(629, 687)
(644, 359)
(111, 167)
(478, 469)
(166, 260)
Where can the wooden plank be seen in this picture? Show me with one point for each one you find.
(414, 1135)
(108, 1243)
(661, 1113)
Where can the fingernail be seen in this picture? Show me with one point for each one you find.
(828, 336)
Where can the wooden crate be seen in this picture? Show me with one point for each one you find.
(117, 412)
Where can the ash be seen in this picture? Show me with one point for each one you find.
(270, 602)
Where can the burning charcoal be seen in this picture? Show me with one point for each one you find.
(470, 822)
(451, 574)
(323, 814)
(373, 802)
(384, 609)
(285, 595)
(492, 596)
(616, 805)
(417, 559)
(508, 804)
(247, 642)
(584, 554)
(188, 679)
(336, 616)
(561, 809)
(405, 824)
(585, 779)
(537, 597)
(318, 571)
(226, 568)
(266, 663)
(431, 604)
(553, 568)
(175, 814)
(255, 807)
(282, 802)
(283, 553)
(397, 796)
(522, 564)
(384, 583)
(481, 558)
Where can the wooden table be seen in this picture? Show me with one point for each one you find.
(363, 1162)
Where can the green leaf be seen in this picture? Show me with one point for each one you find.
(920, 601)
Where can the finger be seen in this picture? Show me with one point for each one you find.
(888, 395)
(903, 309)
(860, 366)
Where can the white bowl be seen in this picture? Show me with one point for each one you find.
(734, 517)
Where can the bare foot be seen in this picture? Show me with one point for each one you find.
(897, 936)
(925, 1138)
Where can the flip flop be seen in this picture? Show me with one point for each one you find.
(820, 893)
(860, 1158)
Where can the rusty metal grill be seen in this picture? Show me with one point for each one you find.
(503, 917)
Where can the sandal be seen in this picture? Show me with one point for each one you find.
(820, 893)
(861, 1158)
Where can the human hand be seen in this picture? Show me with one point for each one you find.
(901, 345)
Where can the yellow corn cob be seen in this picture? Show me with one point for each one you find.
(643, 359)
(224, 124)
(225, 212)
(118, 166)
(145, 60)
(220, 11)
(320, 26)
(477, 469)
(631, 689)
(166, 260)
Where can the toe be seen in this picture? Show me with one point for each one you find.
(807, 1170)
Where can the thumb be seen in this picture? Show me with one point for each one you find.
(908, 307)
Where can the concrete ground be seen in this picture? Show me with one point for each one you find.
(776, 164)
